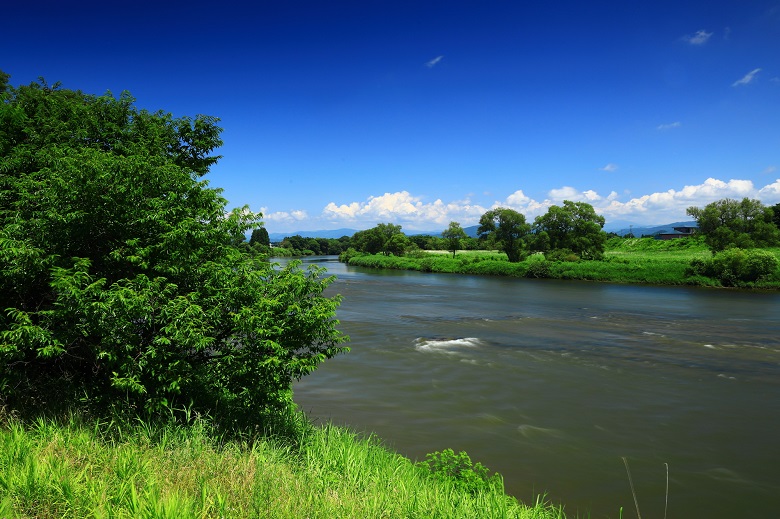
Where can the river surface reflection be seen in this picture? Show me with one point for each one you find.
(551, 383)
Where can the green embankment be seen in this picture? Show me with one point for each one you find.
(638, 260)
(74, 469)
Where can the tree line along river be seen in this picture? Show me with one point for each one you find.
(552, 383)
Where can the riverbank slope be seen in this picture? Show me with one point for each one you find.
(80, 469)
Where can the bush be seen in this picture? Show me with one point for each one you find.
(733, 267)
(458, 470)
(561, 255)
(122, 281)
(538, 269)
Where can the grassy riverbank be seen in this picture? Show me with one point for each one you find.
(76, 469)
(638, 260)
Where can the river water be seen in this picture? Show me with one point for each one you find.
(552, 383)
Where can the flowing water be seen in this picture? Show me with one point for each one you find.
(552, 383)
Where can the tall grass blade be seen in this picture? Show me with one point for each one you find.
(631, 482)
(666, 504)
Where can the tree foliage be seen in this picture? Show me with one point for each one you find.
(260, 237)
(735, 266)
(385, 238)
(454, 235)
(121, 281)
(729, 223)
(507, 230)
(575, 227)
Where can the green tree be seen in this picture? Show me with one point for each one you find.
(507, 230)
(731, 223)
(453, 235)
(260, 237)
(574, 226)
(776, 215)
(121, 282)
(385, 238)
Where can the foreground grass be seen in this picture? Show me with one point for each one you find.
(71, 469)
(638, 260)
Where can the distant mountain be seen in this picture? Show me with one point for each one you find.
(619, 227)
(639, 231)
(332, 233)
(471, 232)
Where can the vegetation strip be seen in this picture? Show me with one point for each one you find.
(626, 260)
(72, 468)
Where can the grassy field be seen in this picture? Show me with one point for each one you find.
(635, 260)
(62, 469)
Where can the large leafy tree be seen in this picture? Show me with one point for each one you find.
(507, 230)
(574, 226)
(453, 235)
(260, 237)
(386, 238)
(729, 223)
(121, 281)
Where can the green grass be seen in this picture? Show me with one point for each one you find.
(637, 260)
(74, 469)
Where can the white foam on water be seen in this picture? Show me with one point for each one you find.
(446, 345)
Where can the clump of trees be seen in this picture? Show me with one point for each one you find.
(565, 233)
(122, 283)
(734, 230)
(385, 238)
(730, 223)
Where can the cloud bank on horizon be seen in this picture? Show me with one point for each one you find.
(416, 213)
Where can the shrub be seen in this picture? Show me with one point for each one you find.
(733, 267)
(122, 283)
(538, 269)
(459, 470)
(561, 255)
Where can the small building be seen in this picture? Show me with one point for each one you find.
(679, 232)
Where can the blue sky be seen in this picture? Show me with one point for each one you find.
(347, 114)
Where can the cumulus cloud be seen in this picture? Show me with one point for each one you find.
(434, 61)
(404, 208)
(610, 168)
(415, 213)
(770, 194)
(284, 216)
(669, 126)
(747, 79)
(669, 205)
(699, 38)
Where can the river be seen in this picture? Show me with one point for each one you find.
(552, 383)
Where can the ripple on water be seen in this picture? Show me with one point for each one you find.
(446, 345)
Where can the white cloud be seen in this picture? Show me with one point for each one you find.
(401, 207)
(284, 216)
(415, 214)
(669, 126)
(769, 170)
(434, 61)
(747, 79)
(770, 194)
(610, 168)
(700, 38)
